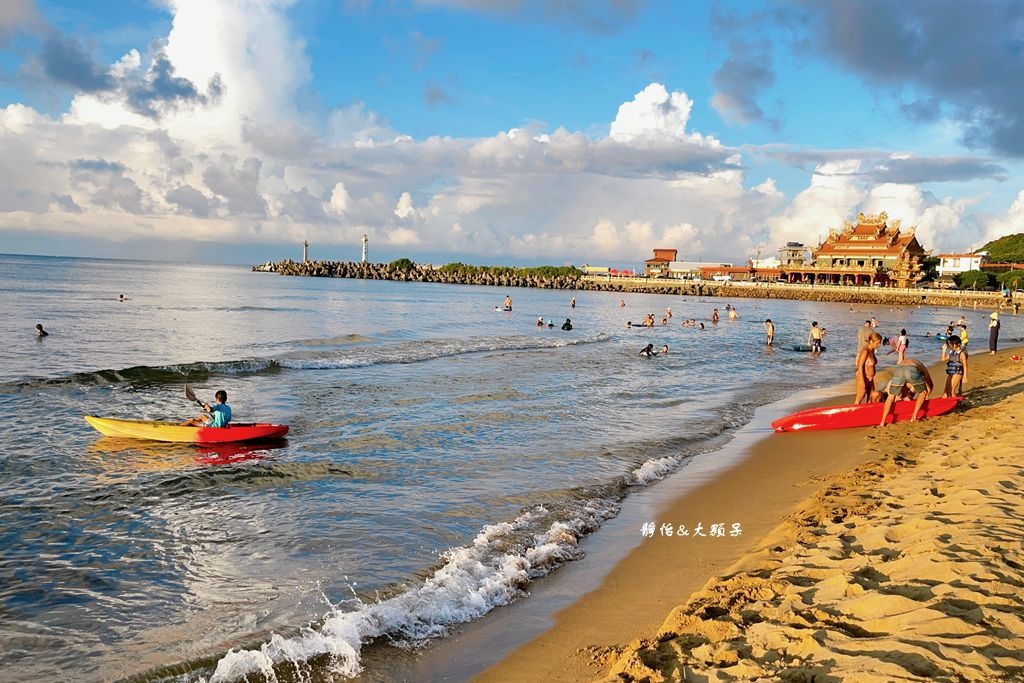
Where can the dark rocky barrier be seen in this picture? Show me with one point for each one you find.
(749, 290)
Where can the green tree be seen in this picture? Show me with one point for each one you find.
(1008, 249)
(403, 265)
(930, 269)
(974, 279)
(1014, 279)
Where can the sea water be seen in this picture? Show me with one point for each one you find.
(442, 455)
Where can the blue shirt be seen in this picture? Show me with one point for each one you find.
(220, 415)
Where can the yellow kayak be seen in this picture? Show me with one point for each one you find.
(153, 430)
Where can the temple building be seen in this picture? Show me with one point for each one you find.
(873, 252)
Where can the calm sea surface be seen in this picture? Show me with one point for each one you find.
(442, 454)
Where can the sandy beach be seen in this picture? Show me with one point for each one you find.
(865, 555)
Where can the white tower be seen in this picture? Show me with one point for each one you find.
(305, 251)
(363, 260)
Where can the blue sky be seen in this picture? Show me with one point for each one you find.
(503, 131)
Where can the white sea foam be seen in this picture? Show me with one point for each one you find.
(473, 580)
(655, 470)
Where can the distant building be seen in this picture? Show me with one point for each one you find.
(874, 251)
(689, 269)
(658, 266)
(769, 263)
(793, 254)
(954, 264)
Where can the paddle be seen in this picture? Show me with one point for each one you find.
(191, 395)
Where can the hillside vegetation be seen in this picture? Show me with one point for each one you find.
(1009, 249)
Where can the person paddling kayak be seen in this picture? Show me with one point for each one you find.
(219, 413)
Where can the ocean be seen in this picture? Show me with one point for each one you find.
(443, 455)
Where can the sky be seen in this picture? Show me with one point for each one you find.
(514, 132)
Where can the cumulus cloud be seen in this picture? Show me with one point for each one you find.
(833, 192)
(210, 144)
(404, 208)
(993, 227)
(340, 199)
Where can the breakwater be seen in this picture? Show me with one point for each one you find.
(510, 277)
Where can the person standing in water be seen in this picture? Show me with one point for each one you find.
(993, 332)
(572, 302)
(815, 336)
(769, 332)
(40, 332)
(863, 333)
(508, 303)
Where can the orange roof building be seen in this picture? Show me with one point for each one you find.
(874, 251)
(658, 266)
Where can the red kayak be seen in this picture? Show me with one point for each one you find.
(860, 415)
(170, 431)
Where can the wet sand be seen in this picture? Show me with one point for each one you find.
(895, 553)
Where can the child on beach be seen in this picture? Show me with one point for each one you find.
(899, 345)
(955, 358)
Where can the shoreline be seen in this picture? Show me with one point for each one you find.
(672, 606)
(528, 278)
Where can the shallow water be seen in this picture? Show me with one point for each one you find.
(442, 454)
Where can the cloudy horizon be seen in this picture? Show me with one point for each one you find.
(512, 131)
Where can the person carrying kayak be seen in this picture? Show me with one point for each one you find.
(219, 413)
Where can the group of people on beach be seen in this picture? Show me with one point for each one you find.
(911, 378)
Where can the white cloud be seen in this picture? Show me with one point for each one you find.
(404, 209)
(251, 166)
(340, 199)
(833, 193)
(655, 116)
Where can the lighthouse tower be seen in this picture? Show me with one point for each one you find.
(363, 259)
(305, 251)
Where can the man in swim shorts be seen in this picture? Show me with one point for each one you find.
(815, 336)
(910, 379)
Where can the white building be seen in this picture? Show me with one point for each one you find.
(766, 263)
(689, 269)
(954, 264)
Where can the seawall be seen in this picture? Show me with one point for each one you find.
(888, 296)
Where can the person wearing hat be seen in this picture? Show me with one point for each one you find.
(993, 332)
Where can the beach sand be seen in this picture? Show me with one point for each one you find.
(865, 555)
